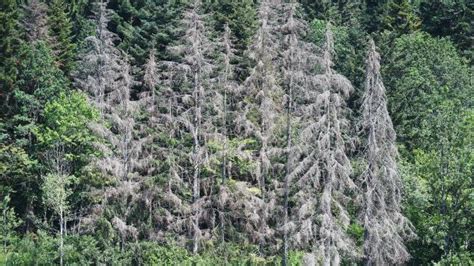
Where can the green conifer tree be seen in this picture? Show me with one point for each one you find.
(9, 47)
(60, 28)
(400, 17)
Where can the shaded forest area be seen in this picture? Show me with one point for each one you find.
(189, 132)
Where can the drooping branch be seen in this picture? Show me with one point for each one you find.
(384, 224)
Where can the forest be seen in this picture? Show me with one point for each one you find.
(223, 132)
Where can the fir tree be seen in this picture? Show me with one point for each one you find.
(400, 17)
(156, 28)
(60, 28)
(39, 80)
(9, 50)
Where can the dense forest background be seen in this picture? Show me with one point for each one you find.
(150, 132)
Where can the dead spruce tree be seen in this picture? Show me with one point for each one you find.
(106, 75)
(258, 114)
(35, 21)
(101, 63)
(384, 224)
(323, 168)
(226, 87)
(298, 60)
(185, 82)
(334, 165)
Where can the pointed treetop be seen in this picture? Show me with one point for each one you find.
(328, 49)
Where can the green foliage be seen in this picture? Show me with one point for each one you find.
(9, 46)
(65, 121)
(84, 250)
(33, 249)
(56, 190)
(81, 250)
(400, 17)
(349, 47)
(44, 124)
(374, 15)
(426, 73)
(14, 162)
(463, 257)
(38, 82)
(357, 232)
(240, 16)
(8, 223)
(450, 19)
(155, 27)
(60, 27)
(123, 20)
(440, 189)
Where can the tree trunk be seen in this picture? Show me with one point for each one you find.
(61, 232)
(196, 162)
(224, 158)
(287, 172)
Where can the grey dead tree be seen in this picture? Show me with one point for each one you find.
(185, 83)
(161, 79)
(101, 62)
(298, 60)
(226, 86)
(124, 152)
(384, 224)
(323, 168)
(151, 76)
(105, 74)
(334, 165)
(164, 80)
(35, 21)
(259, 111)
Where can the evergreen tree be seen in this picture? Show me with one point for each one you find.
(450, 18)
(156, 28)
(9, 50)
(374, 15)
(400, 17)
(384, 224)
(60, 28)
(38, 82)
(239, 16)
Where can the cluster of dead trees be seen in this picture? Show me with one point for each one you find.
(194, 154)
